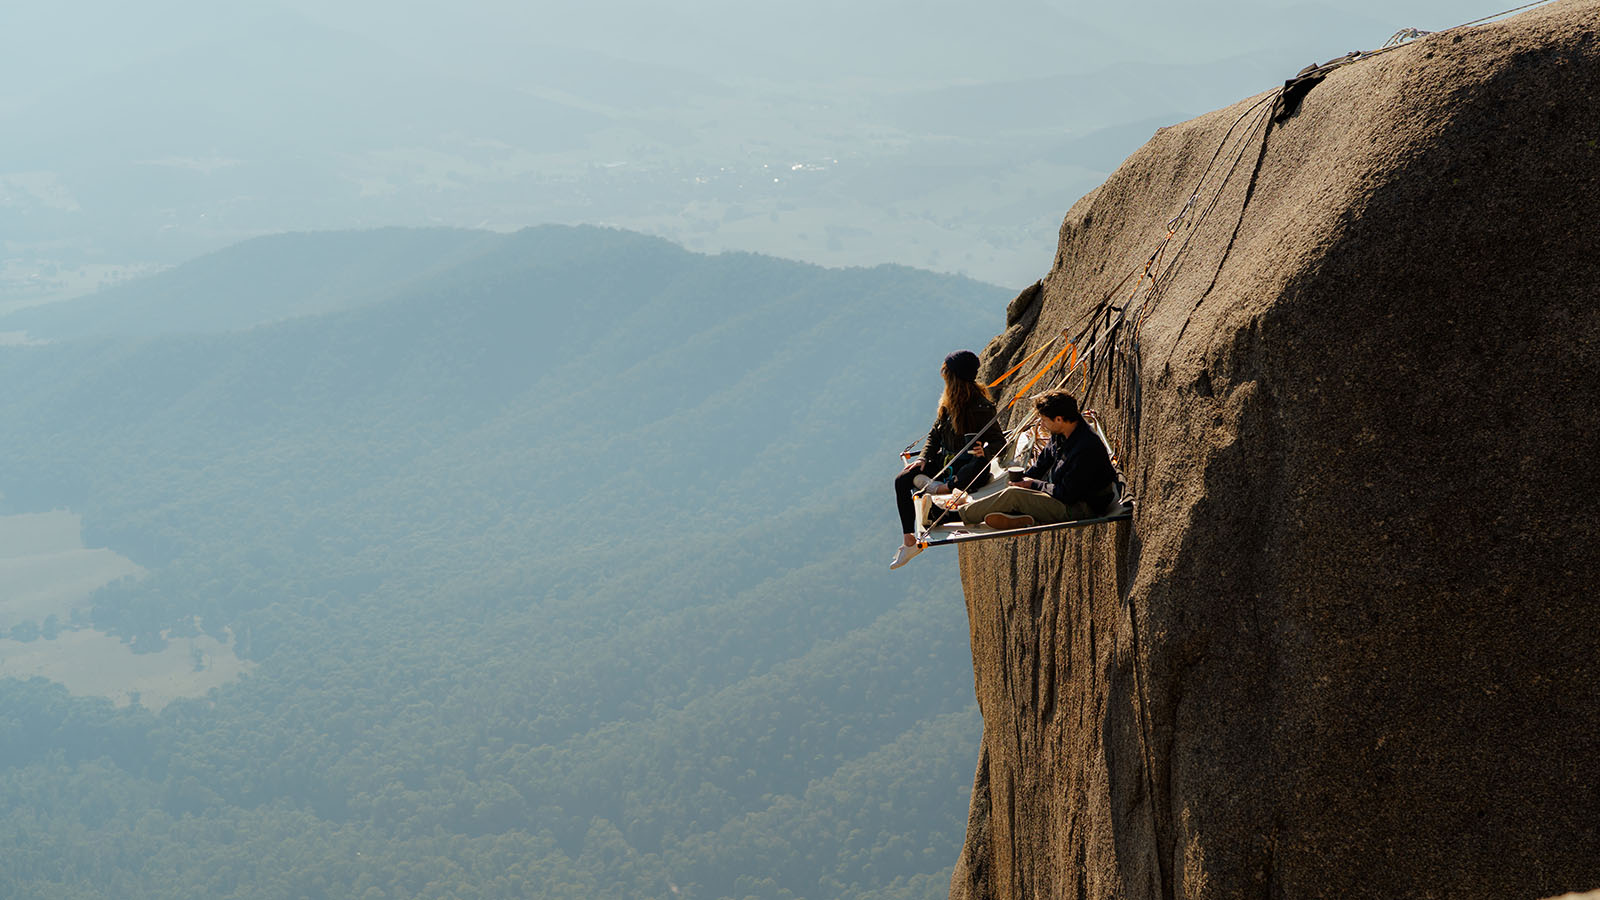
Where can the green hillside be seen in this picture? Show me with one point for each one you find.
(558, 567)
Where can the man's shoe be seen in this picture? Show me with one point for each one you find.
(903, 555)
(920, 481)
(1004, 522)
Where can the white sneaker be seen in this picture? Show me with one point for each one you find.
(903, 555)
(920, 482)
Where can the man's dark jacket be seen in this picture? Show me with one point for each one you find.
(1077, 469)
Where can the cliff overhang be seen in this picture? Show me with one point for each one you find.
(1346, 646)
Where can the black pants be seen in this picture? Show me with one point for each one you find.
(970, 473)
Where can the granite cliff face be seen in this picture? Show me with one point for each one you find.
(1347, 647)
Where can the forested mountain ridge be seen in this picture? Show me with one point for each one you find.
(263, 280)
(573, 544)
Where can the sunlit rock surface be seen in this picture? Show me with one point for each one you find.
(1347, 647)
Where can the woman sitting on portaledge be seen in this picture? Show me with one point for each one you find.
(964, 410)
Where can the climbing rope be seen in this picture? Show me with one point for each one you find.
(1515, 9)
(1257, 130)
(1165, 277)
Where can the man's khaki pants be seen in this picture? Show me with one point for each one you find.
(1021, 501)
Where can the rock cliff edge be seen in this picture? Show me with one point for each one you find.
(1347, 647)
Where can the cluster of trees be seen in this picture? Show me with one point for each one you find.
(561, 564)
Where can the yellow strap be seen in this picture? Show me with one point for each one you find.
(1019, 365)
(1040, 374)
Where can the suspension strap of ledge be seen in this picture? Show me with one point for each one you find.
(1012, 371)
(1073, 348)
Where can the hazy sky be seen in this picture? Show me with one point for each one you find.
(901, 39)
(933, 133)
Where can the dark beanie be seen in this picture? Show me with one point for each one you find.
(962, 364)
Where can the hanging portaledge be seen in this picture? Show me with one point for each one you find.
(961, 534)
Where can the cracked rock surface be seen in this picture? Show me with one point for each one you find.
(1347, 647)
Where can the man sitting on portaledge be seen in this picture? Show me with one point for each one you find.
(1072, 479)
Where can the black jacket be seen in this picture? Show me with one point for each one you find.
(944, 442)
(1076, 468)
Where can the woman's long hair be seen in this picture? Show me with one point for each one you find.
(958, 400)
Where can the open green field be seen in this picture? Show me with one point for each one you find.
(92, 663)
(47, 573)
